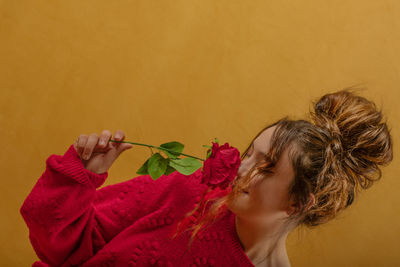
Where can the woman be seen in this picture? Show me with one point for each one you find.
(293, 173)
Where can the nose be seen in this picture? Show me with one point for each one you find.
(243, 168)
(240, 172)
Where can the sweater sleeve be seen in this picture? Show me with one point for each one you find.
(68, 219)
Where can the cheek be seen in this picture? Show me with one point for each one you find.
(270, 196)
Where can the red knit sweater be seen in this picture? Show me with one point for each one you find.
(72, 223)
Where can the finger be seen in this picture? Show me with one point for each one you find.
(104, 138)
(80, 143)
(118, 136)
(89, 147)
(122, 146)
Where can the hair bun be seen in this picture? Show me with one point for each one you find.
(356, 134)
(327, 115)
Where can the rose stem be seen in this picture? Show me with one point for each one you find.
(161, 148)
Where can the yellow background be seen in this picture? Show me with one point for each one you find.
(190, 71)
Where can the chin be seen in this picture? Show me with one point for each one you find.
(238, 206)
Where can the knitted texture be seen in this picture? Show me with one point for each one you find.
(72, 222)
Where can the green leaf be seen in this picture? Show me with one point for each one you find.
(143, 170)
(216, 140)
(157, 165)
(176, 147)
(185, 166)
(169, 170)
(207, 146)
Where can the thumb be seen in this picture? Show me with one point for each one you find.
(124, 146)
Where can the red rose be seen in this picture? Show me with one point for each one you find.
(221, 167)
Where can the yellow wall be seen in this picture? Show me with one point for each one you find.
(191, 71)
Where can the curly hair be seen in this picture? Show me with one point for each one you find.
(334, 155)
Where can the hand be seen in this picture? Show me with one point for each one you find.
(98, 154)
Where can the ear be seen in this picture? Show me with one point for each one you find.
(293, 207)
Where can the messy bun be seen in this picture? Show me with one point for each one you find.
(357, 141)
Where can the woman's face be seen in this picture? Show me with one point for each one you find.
(267, 197)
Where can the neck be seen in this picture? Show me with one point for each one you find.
(264, 245)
